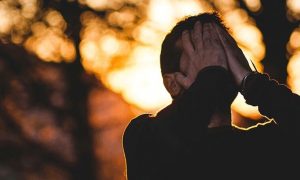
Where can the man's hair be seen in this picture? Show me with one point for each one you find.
(170, 54)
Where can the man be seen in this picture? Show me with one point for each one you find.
(203, 69)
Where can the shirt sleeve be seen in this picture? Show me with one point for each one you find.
(274, 100)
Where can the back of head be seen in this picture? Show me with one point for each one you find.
(170, 53)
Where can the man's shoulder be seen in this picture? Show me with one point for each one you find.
(135, 129)
(139, 120)
(137, 124)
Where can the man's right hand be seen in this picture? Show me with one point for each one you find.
(201, 48)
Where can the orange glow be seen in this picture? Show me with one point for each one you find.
(118, 57)
(51, 46)
(225, 6)
(293, 5)
(253, 5)
(102, 4)
(96, 4)
(293, 9)
(165, 14)
(294, 73)
(5, 18)
(246, 110)
(294, 41)
(250, 40)
(109, 44)
(16, 16)
(55, 19)
(103, 105)
(49, 42)
(146, 35)
(161, 13)
(247, 35)
(254, 126)
(138, 77)
(141, 83)
(122, 18)
(293, 48)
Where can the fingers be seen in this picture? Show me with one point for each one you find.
(229, 44)
(197, 36)
(182, 80)
(214, 35)
(221, 35)
(186, 43)
(224, 35)
(206, 35)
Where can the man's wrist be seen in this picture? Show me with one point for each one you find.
(243, 86)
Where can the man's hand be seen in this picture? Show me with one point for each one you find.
(201, 48)
(236, 60)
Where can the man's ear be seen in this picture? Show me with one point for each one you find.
(171, 84)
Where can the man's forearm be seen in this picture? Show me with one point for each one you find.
(273, 99)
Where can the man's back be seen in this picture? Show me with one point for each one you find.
(174, 144)
(224, 152)
(203, 69)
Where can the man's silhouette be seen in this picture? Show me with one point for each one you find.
(203, 69)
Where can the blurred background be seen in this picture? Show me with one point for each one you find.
(73, 73)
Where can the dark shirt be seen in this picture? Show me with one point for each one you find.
(176, 143)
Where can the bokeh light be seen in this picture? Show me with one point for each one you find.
(138, 78)
(253, 5)
(250, 40)
(48, 40)
(131, 67)
(122, 48)
(15, 19)
(119, 42)
(293, 9)
(20, 23)
(293, 48)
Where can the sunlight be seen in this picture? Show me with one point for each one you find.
(165, 14)
(109, 44)
(16, 17)
(250, 40)
(46, 36)
(121, 18)
(240, 106)
(134, 72)
(96, 4)
(161, 13)
(253, 5)
(102, 4)
(5, 18)
(293, 48)
(294, 42)
(48, 40)
(293, 5)
(294, 73)
(139, 81)
(293, 9)
(143, 84)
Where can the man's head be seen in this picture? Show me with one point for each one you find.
(171, 51)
